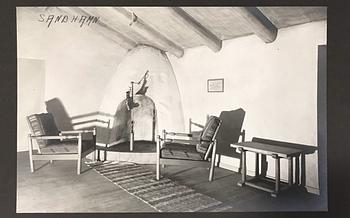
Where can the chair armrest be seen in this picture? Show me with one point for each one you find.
(56, 137)
(77, 131)
(179, 134)
(183, 141)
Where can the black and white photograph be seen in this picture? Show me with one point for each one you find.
(171, 109)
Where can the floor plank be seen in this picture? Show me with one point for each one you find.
(57, 188)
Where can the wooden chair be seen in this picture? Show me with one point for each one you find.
(58, 145)
(199, 152)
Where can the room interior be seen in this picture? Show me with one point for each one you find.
(132, 72)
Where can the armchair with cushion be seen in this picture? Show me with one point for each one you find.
(198, 151)
(58, 145)
(230, 132)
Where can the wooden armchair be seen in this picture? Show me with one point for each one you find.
(199, 152)
(230, 132)
(58, 145)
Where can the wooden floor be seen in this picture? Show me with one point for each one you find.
(57, 188)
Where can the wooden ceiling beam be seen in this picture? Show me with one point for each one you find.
(209, 39)
(106, 30)
(139, 26)
(258, 22)
(115, 36)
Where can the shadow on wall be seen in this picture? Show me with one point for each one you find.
(63, 121)
(120, 131)
(101, 121)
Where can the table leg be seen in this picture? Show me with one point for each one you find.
(303, 171)
(244, 168)
(290, 171)
(257, 164)
(263, 165)
(297, 170)
(277, 175)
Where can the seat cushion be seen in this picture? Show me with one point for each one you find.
(180, 151)
(67, 147)
(43, 125)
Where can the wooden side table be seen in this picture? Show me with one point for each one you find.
(275, 151)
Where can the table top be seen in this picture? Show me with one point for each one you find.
(267, 149)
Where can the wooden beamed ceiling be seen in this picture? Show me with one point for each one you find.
(141, 27)
(108, 30)
(208, 38)
(258, 23)
(173, 29)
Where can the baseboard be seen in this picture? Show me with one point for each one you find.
(234, 168)
(228, 167)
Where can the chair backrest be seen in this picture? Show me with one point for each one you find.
(230, 131)
(41, 125)
(208, 134)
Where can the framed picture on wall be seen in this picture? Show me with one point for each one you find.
(215, 85)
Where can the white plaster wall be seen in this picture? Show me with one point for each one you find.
(163, 88)
(80, 63)
(78, 60)
(274, 83)
(30, 95)
(30, 34)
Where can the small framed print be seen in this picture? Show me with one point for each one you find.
(215, 85)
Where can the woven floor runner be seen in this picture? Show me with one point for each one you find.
(164, 195)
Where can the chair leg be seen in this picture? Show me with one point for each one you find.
(158, 169)
(212, 164)
(158, 160)
(79, 154)
(79, 165)
(211, 172)
(93, 156)
(132, 140)
(30, 144)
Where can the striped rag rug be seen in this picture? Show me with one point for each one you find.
(164, 195)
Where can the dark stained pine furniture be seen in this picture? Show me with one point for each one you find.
(53, 144)
(196, 152)
(276, 150)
